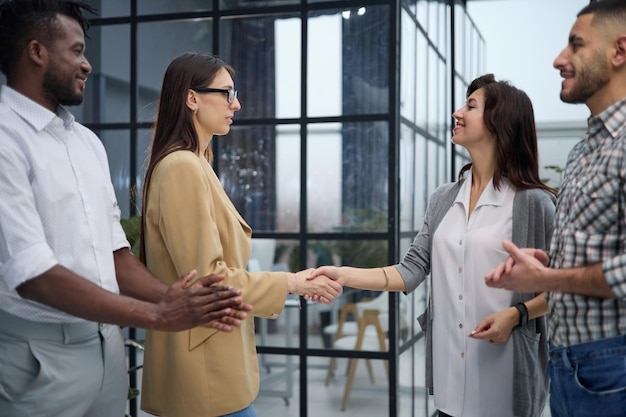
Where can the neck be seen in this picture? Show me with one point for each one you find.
(483, 167)
(605, 97)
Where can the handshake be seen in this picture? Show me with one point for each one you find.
(321, 284)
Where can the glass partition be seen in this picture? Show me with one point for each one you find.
(342, 137)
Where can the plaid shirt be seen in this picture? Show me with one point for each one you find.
(590, 227)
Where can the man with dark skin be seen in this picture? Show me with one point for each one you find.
(67, 276)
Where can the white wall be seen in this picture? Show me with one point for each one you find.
(523, 37)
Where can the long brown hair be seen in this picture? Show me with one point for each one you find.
(509, 116)
(173, 128)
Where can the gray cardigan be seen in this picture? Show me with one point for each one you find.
(533, 215)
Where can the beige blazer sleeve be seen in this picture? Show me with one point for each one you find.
(199, 228)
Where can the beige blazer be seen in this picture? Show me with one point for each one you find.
(192, 224)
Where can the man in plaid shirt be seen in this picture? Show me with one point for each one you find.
(584, 275)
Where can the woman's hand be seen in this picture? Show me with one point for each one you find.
(497, 326)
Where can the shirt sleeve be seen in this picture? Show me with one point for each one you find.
(24, 253)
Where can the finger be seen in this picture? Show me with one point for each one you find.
(209, 280)
(208, 296)
(220, 305)
(315, 273)
(508, 265)
(542, 256)
(243, 308)
(219, 326)
(482, 335)
(231, 321)
(214, 288)
(336, 286)
(515, 252)
(186, 279)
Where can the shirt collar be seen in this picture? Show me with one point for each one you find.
(489, 197)
(32, 112)
(613, 119)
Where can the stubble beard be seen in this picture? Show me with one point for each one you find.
(590, 79)
(61, 88)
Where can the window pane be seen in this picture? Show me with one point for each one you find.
(422, 79)
(421, 191)
(279, 392)
(242, 4)
(347, 165)
(117, 145)
(144, 139)
(348, 62)
(408, 71)
(107, 95)
(158, 44)
(354, 391)
(288, 172)
(169, 6)
(109, 8)
(267, 67)
(247, 164)
(407, 177)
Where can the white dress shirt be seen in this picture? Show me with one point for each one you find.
(467, 371)
(57, 203)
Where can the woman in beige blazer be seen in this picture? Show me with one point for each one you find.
(190, 223)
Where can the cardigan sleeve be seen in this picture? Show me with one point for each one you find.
(533, 218)
(415, 266)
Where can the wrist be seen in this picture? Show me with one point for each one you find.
(292, 283)
(522, 314)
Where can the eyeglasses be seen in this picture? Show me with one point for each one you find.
(231, 94)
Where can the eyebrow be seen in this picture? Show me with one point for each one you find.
(573, 38)
(472, 101)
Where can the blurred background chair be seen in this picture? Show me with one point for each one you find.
(367, 330)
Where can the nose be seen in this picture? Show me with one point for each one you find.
(86, 66)
(457, 114)
(236, 104)
(561, 60)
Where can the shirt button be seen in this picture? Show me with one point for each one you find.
(460, 269)
(462, 355)
(460, 325)
(460, 297)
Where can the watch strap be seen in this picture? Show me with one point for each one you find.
(523, 314)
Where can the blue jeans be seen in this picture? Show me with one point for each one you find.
(589, 379)
(246, 412)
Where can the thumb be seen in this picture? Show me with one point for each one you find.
(315, 273)
(186, 279)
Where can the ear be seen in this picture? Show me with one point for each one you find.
(192, 100)
(37, 53)
(619, 57)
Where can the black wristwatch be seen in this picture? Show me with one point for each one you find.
(523, 314)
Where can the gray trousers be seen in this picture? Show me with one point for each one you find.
(61, 370)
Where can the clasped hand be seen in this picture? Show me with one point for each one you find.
(188, 303)
(522, 271)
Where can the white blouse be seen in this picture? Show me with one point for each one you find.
(472, 378)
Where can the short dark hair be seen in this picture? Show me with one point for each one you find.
(21, 21)
(615, 9)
